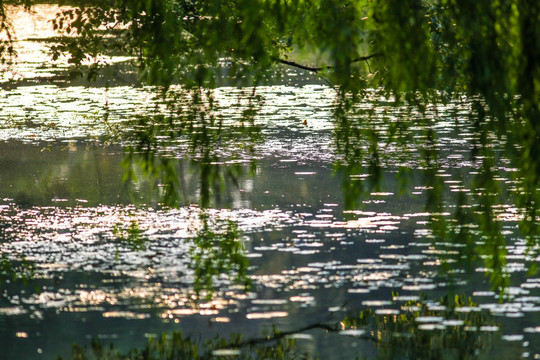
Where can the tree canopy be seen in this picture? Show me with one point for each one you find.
(487, 48)
(418, 51)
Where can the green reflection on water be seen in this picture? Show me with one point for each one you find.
(218, 254)
(495, 173)
(218, 148)
(372, 139)
(130, 235)
(67, 174)
(177, 346)
(363, 140)
(452, 328)
(16, 270)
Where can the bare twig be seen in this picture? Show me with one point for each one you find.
(329, 327)
(317, 69)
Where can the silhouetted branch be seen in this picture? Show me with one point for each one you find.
(278, 335)
(281, 334)
(317, 69)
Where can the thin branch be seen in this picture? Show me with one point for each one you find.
(317, 69)
(282, 334)
(366, 58)
(300, 66)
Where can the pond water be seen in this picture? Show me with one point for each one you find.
(347, 274)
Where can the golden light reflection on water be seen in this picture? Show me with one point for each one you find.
(125, 315)
(33, 23)
(267, 315)
(97, 297)
(33, 56)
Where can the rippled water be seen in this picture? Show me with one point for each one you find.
(64, 206)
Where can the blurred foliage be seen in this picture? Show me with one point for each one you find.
(130, 235)
(417, 50)
(216, 251)
(220, 149)
(385, 135)
(11, 270)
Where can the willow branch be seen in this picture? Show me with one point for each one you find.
(317, 69)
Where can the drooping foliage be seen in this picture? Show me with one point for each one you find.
(411, 48)
(421, 51)
(416, 53)
(415, 50)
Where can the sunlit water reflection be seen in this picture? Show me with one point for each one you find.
(310, 259)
